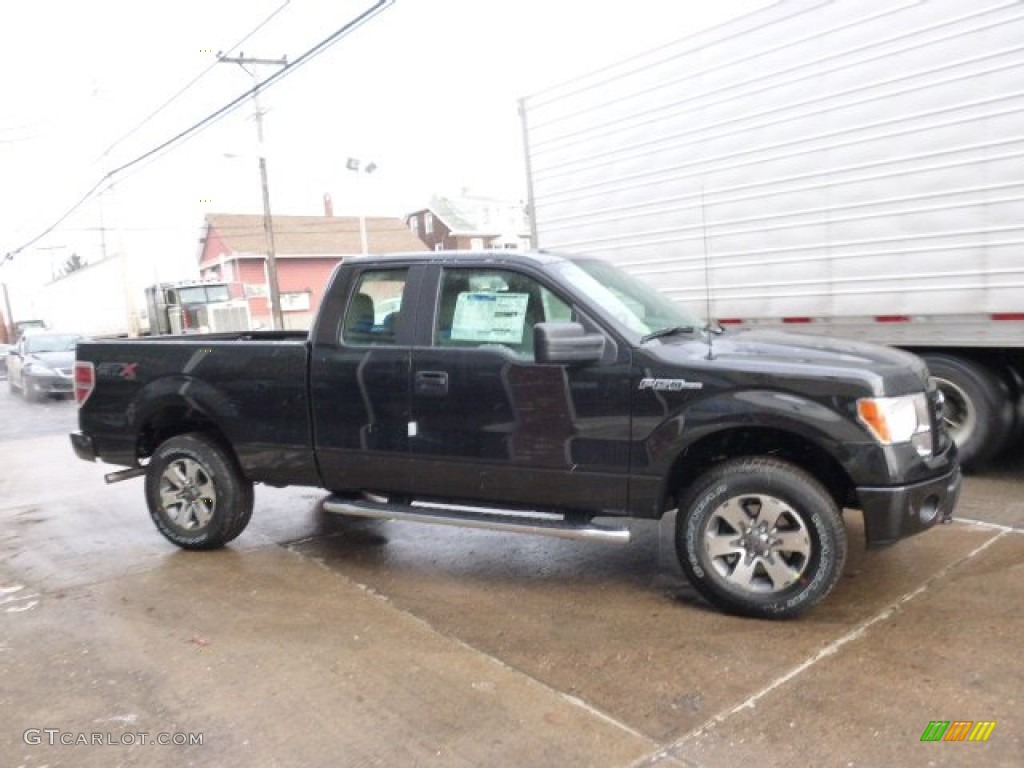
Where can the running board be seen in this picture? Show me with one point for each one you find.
(463, 517)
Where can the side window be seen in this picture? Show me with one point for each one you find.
(375, 310)
(487, 307)
(555, 310)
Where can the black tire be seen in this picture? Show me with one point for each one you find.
(760, 537)
(196, 493)
(979, 410)
(1015, 386)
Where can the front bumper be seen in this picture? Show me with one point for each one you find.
(50, 384)
(894, 513)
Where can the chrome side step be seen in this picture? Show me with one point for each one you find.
(465, 517)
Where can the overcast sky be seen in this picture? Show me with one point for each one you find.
(427, 90)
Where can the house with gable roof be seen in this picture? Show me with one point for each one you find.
(470, 222)
(307, 249)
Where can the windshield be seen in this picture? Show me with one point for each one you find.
(51, 342)
(203, 294)
(638, 307)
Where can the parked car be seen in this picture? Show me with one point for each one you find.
(40, 364)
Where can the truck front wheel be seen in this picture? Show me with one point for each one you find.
(760, 537)
(197, 495)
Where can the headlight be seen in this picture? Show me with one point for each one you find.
(893, 420)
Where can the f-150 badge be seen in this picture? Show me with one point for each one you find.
(669, 385)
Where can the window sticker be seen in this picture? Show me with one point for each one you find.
(496, 318)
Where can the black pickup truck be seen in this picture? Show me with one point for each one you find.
(535, 393)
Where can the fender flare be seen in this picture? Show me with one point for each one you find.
(182, 391)
(762, 410)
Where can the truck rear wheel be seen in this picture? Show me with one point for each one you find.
(979, 412)
(760, 537)
(196, 493)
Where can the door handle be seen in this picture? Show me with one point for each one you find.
(433, 383)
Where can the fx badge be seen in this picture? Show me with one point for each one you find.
(669, 385)
(117, 370)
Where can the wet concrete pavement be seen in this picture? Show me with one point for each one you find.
(315, 640)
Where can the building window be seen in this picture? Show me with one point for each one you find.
(414, 224)
(476, 243)
(428, 223)
(296, 301)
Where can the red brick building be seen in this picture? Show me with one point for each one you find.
(307, 249)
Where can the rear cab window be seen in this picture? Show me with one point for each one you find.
(374, 313)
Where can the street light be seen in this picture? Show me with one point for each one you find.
(355, 164)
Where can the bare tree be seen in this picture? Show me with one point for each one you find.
(73, 264)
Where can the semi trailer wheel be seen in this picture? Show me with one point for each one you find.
(978, 409)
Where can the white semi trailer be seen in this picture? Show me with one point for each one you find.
(95, 300)
(845, 168)
(102, 300)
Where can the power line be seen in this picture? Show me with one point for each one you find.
(194, 80)
(205, 122)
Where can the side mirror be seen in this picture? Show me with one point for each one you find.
(566, 343)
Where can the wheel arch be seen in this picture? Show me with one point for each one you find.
(737, 442)
(171, 410)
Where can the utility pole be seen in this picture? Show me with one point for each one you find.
(9, 321)
(103, 226)
(277, 319)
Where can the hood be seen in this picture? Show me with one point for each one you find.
(883, 370)
(62, 360)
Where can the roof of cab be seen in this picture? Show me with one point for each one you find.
(455, 257)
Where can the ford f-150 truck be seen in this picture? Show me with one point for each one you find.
(537, 393)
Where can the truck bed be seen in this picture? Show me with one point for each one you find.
(256, 383)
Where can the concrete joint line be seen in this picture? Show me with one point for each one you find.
(829, 650)
(573, 700)
(988, 526)
(581, 704)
